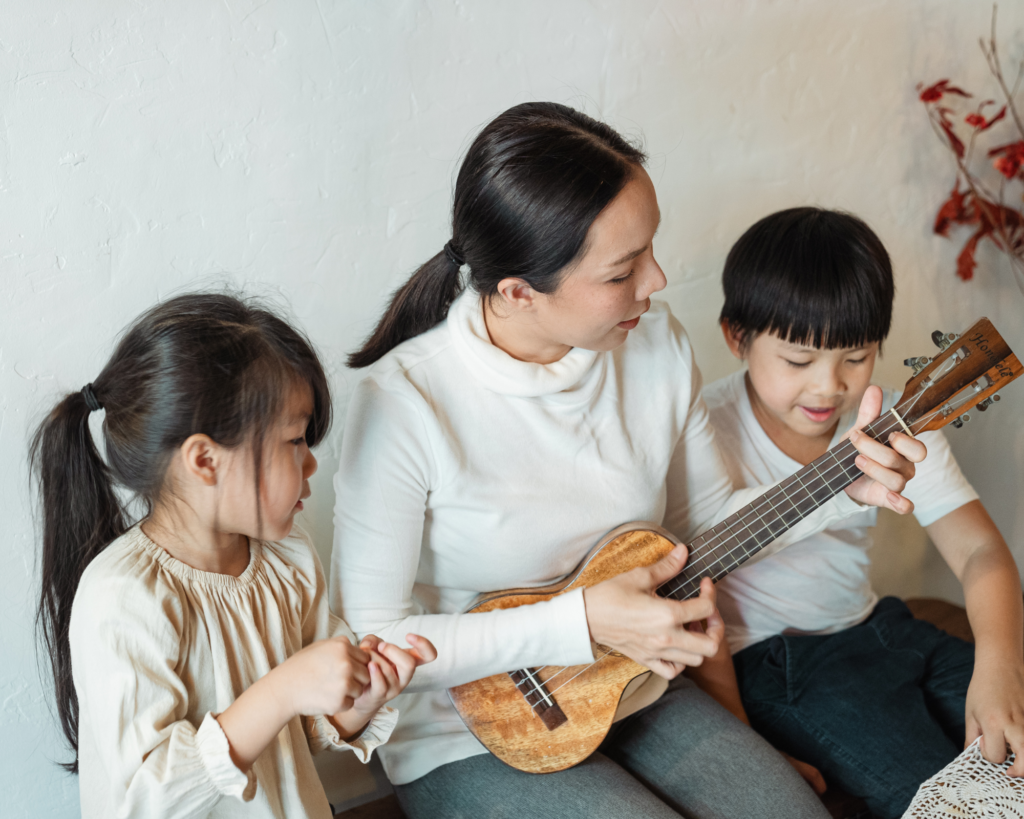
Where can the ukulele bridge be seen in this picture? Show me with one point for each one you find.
(538, 698)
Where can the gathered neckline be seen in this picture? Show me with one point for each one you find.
(190, 574)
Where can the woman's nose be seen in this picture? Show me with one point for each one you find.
(653, 280)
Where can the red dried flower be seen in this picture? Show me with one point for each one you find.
(1009, 158)
(933, 93)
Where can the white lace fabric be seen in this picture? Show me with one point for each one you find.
(970, 786)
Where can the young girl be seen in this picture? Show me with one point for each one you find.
(877, 700)
(526, 396)
(199, 666)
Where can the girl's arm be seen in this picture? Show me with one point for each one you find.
(139, 754)
(975, 550)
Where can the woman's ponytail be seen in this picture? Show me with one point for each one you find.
(81, 516)
(416, 306)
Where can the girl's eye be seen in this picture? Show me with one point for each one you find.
(797, 364)
(621, 279)
(298, 441)
(857, 360)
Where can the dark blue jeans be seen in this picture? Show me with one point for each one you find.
(878, 707)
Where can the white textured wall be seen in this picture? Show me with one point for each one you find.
(306, 148)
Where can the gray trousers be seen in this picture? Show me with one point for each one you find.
(682, 756)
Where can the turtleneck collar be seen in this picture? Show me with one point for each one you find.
(496, 369)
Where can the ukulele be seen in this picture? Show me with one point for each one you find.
(542, 720)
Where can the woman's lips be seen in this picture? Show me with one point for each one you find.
(818, 414)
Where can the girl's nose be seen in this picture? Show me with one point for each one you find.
(829, 382)
(308, 465)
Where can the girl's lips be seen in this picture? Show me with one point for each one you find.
(818, 413)
(629, 325)
(299, 506)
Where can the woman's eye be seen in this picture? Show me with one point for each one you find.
(621, 279)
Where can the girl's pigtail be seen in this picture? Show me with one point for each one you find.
(81, 516)
(416, 306)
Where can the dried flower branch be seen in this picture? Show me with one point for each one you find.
(977, 205)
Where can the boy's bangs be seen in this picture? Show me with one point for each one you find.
(812, 277)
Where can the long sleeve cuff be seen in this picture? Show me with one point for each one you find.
(569, 630)
(324, 736)
(215, 752)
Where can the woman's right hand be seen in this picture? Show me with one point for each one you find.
(323, 678)
(664, 635)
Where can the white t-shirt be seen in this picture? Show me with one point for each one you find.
(819, 585)
(466, 471)
(159, 648)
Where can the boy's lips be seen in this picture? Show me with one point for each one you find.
(818, 414)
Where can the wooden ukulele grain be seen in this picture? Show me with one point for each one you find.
(497, 712)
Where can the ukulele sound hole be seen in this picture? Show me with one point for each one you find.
(538, 698)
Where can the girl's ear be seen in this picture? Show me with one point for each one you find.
(733, 339)
(201, 459)
(516, 294)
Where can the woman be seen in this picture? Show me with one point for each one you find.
(503, 428)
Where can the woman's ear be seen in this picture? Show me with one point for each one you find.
(201, 459)
(516, 294)
(733, 339)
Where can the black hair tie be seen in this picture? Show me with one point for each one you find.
(90, 398)
(453, 255)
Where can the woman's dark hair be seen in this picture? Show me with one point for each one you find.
(531, 185)
(810, 276)
(199, 363)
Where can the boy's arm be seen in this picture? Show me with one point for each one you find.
(975, 550)
(716, 677)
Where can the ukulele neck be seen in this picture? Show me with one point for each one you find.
(746, 532)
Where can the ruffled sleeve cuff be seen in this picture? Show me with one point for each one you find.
(324, 736)
(215, 753)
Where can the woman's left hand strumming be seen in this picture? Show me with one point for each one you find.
(886, 470)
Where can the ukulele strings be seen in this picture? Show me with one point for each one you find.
(829, 471)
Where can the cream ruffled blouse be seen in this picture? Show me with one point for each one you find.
(159, 648)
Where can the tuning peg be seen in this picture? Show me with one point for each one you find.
(943, 340)
(958, 422)
(917, 363)
(984, 405)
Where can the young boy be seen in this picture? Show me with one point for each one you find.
(877, 700)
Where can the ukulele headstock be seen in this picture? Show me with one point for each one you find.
(968, 372)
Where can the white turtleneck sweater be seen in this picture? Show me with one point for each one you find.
(464, 470)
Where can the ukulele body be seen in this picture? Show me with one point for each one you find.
(498, 713)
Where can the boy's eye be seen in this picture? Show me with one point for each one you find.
(621, 279)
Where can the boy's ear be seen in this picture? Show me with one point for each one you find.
(201, 459)
(733, 339)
